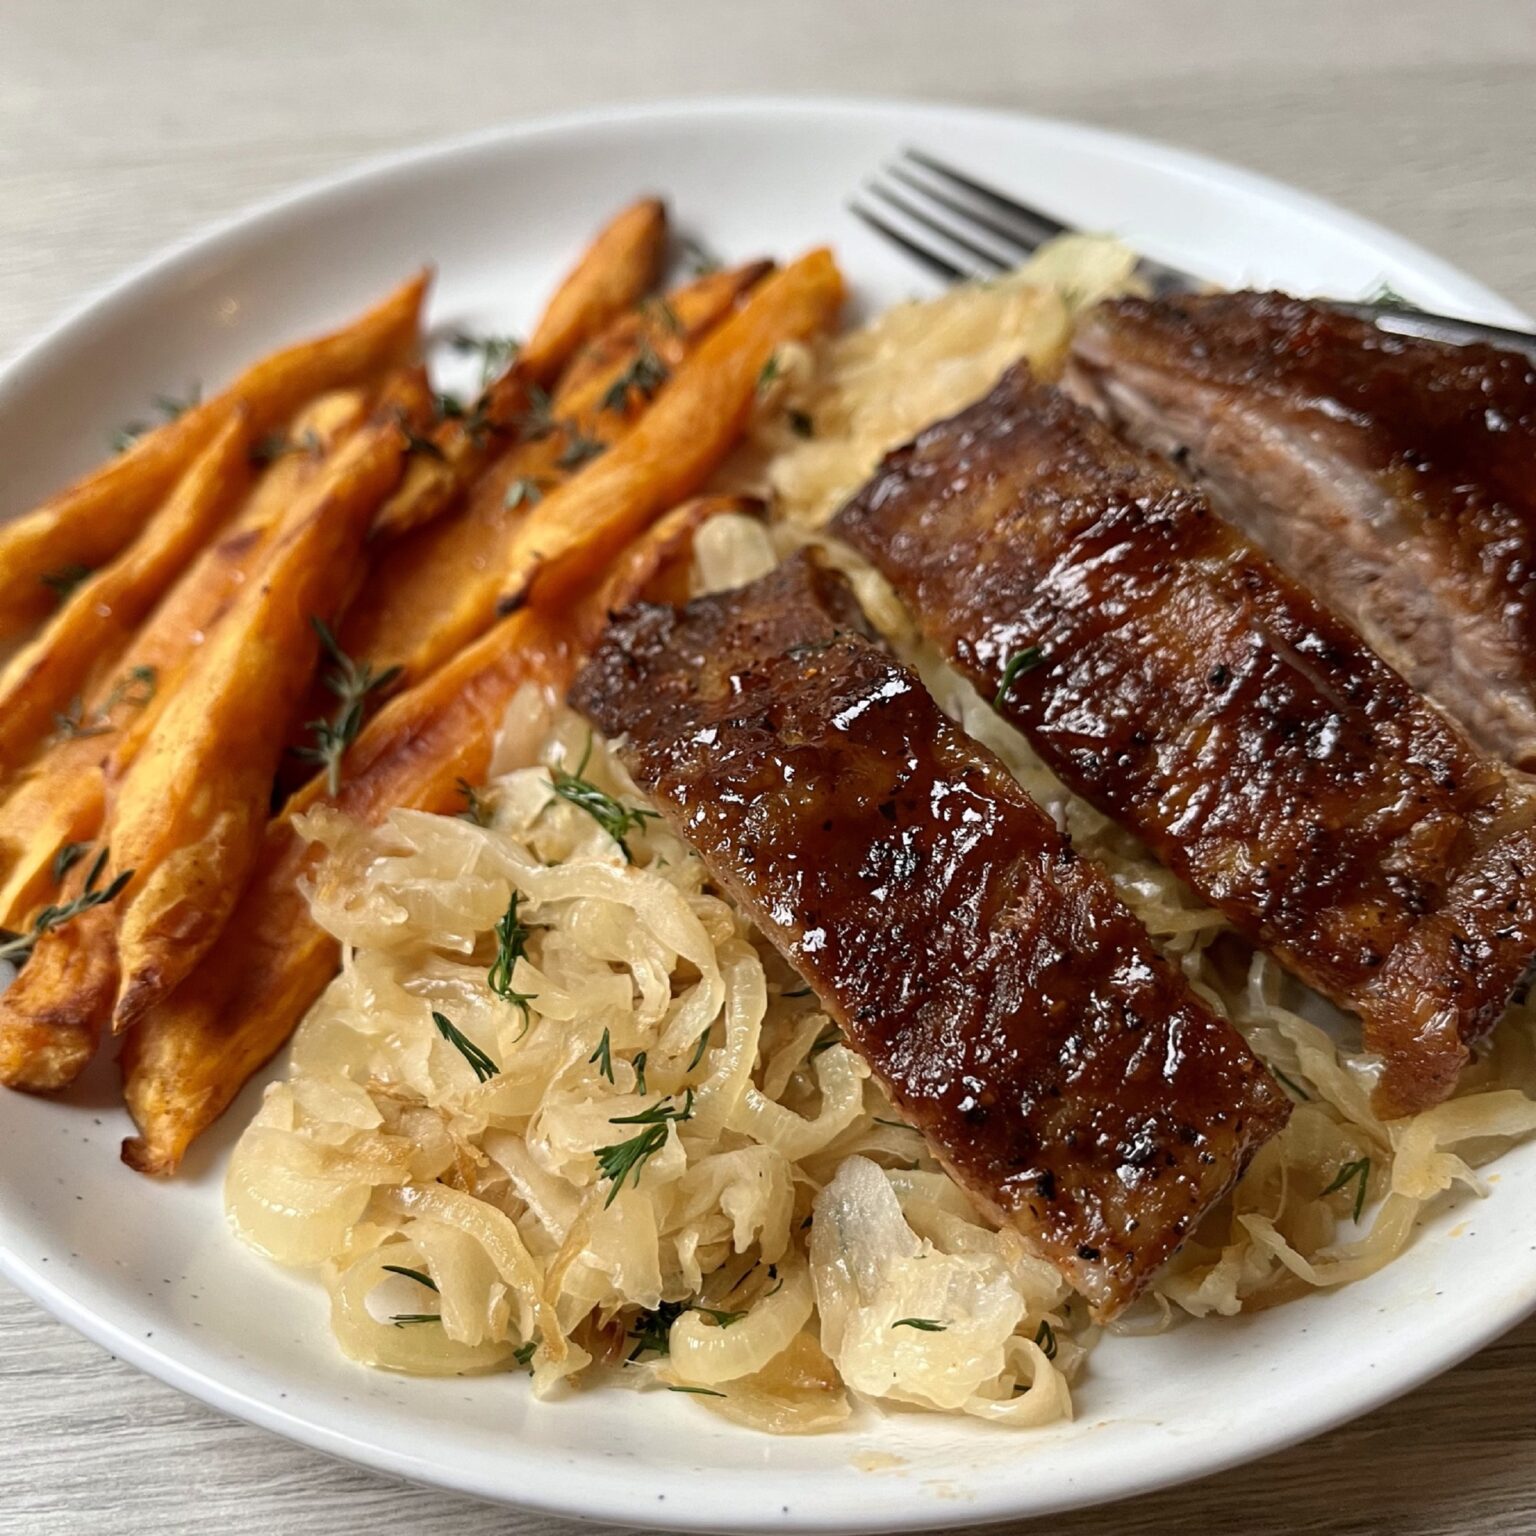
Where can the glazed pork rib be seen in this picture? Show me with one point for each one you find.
(1394, 478)
(1168, 672)
(1013, 1007)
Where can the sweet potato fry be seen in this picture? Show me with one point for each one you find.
(675, 446)
(614, 272)
(51, 1015)
(436, 590)
(60, 798)
(43, 687)
(620, 265)
(191, 1055)
(190, 812)
(97, 517)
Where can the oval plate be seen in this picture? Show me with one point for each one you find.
(151, 1272)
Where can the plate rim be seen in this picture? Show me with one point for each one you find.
(598, 1503)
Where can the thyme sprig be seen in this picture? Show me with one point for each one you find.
(496, 353)
(579, 448)
(511, 946)
(612, 815)
(63, 581)
(135, 688)
(66, 858)
(481, 1064)
(700, 259)
(19, 946)
(352, 684)
(168, 407)
(277, 445)
(645, 375)
(523, 492)
(475, 811)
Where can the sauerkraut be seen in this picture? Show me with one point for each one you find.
(565, 1111)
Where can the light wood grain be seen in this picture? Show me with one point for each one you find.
(125, 127)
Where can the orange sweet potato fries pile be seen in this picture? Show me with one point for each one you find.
(325, 584)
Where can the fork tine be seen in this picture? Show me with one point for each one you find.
(927, 221)
(1049, 227)
(1025, 244)
(941, 266)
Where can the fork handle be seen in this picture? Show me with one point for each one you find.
(1404, 321)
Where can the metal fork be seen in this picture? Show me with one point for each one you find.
(960, 228)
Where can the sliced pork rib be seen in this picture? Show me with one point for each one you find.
(1174, 676)
(1013, 1007)
(1394, 478)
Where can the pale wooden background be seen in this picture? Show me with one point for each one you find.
(124, 126)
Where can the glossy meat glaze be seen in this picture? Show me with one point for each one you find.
(1394, 478)
(993, 981)
(1176, 678)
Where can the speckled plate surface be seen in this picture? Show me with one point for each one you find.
(150, 1271)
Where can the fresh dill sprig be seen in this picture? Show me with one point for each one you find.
(475, 811)
(1045, 1337)
(700, 1046)
(645, 375)
(829, 1037)
(417, 1275)
(414, 441)
(613, 816)
(639, 1066)
(20, 945)
(579, 448)
(523, 1354)
(651, 1330)
(481, 1064)
(1359, 1169)
(1292, 1084)
(352, 684)
(1388, 295)
(405, 1319)
(922, 1324)
(661, 314)
(496, 353)
(511, 946)
(1018, 664)
(895, 1125)
(523, 492)
(722, 1319)
(66, 858)
(617, 1162)
(63, 581)
(697, 1391)
(603, 1056)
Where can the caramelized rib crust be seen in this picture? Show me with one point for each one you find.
(1013, 1007)
(1172, 675)
(1394, 478)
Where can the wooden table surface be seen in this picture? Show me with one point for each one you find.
(124, 127)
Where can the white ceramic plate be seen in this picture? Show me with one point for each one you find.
(149, 1270)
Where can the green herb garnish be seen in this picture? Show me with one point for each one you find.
(801, 424)
(523, 492)
(278, 445)
(63, 581)
(537, 420)
(481, 1064)
(352, 684)
(613, 816)
(829, 1037)
(701, 260)
(722, 1319)
(651, 1330)
(645, 375)
(1361, 1170)
(579, 448)
(475, 811)
(412, 1274)
(617, 1162)
(523, 1354)
(1388, 295)
(1045, 1337)
(135, 688)
(603, 1056)
(405, 1319)
(922, 1324)
(511, 946)
(700, 1046)
(496, 353)
(1018, 664)
(169, 408)
(66, 858)
(19, 946)
(769, 373)
(1295, 1087)
(697, 1391)
(639, 1065)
